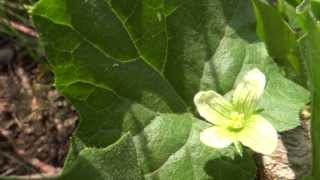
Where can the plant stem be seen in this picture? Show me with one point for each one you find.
(310, 46)
(315, 134)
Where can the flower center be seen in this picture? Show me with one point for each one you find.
(237, 121)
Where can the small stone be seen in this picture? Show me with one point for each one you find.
(6, 55)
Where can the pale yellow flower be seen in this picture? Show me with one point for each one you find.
(237, 121)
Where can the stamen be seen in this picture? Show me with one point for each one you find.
(237, 121)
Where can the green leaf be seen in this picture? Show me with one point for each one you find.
(279, 37)
(289, 13)
(283, 96)
(315, 5)
(273, 30)
(135, 65)
(117, 161)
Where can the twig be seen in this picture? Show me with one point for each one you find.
(45, 168)
(20, 27)
(23, 29)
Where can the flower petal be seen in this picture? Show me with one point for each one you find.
(213, 107)
(259, 135)
(249, 90)
(217, 137)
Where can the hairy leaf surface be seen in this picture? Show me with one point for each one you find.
(133, 66)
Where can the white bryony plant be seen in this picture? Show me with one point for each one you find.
(238, 121)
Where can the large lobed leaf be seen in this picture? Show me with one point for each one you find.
(132, 67)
